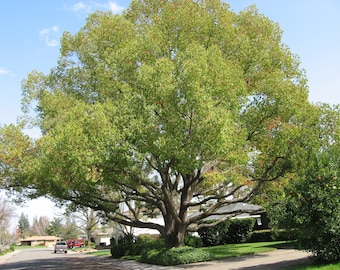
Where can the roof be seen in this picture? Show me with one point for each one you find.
(246, 207)
(236, 210)
(40, 238)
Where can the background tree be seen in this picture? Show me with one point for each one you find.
(56, 227)
(170, 107)
(14, 145)
(311, 207)
(7, 212)
(70, 229)
(40, 226)
(24, 225)
(85, 219)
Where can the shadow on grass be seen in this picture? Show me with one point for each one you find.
(285, 245)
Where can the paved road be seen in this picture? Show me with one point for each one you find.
(46, 259)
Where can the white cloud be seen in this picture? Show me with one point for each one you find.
(115, 8)
(110, 5)
(86, 8)
(3, 71)
(81, 7)
(51, 36)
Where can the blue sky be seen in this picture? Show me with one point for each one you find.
(30, 33)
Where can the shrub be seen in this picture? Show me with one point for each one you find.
(126, 239)
(261, 236)
(212, 236)
(312, 212)
(144, 243)
(193, 241)
(239, 230)
(175, 256)
(136, 245)
(120, 250)
(229, 231)
(124, 245)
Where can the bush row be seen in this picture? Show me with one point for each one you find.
(128, 245)
(228, 232)
(175, 256)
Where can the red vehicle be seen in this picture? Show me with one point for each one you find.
(71, 243)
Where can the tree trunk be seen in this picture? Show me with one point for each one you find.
(174, 234)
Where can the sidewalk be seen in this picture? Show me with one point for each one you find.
(278, 259)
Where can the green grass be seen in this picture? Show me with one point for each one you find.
(331, 266)
(222, 252)
(235, 250)
(103, 252)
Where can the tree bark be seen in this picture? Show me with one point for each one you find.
(174, 235)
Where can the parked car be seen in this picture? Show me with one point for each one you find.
(75, 243)
(60, 246)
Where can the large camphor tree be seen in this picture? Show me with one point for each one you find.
(173, 108)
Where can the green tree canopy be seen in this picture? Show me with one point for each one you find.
(171, 107)
(56, 227)
(310, 209)
(24, 225)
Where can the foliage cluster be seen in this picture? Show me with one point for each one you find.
(130, 245)
(175, 256)
(227, 232)
(313, 216)
(310, 210)
(193, 241)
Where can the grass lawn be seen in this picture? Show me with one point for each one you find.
(224, 251)
(103, 252)
(331, 266)
(234, 250)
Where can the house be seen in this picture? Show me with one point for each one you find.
(102, 238)
(47, 241)
(238, 211)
